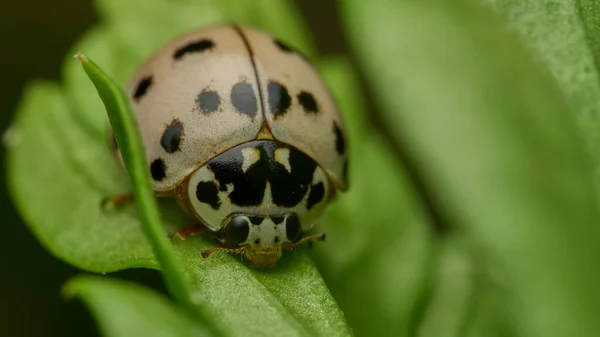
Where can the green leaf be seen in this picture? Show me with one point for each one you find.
(60, 200)
(375, 225)
(66, 130)
(135, 22)
(142, 27)
(124, 309)
(455, 300)
(497, 147)
(564, 39)
(280, 18)
(377, 246)
(129, 140)
(589, 11)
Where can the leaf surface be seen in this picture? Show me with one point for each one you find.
(125, 309)
(564, 37)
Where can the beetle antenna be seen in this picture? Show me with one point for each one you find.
(208, 252)
(307, 239)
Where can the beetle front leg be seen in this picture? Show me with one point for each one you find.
(186, 231)
(123, 199)
(117, 200)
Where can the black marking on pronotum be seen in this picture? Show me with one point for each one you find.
(158, 169)
(208, 101)
(256, 220)
(243, 99)
(340, 144)
(257, 241)
(251, 54)
(276, 240)
(172, 136)
(279, 98)
(308, 102)
(317, 192)
(287, 188)
(278, 219)
(142, 87)
(194, 47)
(208, 193)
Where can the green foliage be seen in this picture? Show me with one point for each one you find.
(129, 141)
(589, 14)
(565, 40)
(497, 147)
(117, 304)
(490, 113)
(378, 223)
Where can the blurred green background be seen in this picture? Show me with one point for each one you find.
(36, 35)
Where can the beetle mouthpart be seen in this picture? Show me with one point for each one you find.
(263, 258)
(208, 252)
(307, 239)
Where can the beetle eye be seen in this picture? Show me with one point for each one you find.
(237, 229)
(292, 227)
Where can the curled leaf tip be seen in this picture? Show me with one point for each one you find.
(73, 287)
(67, 292)
(80, 57)
(9, 138)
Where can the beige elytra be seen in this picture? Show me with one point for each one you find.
(235, 55)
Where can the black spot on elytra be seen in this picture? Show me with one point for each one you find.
(292, 228)
(278, 219)
(279, 99)
(158, 169)
(207, 192)
(244, 99)
(284, 47)
(287, 188)
(142, 88)
(172, 136)
(194, 47)
(340, 144)
(208, 101)
(317, 192)
(257, 242)
(308, 102)
(255, 220)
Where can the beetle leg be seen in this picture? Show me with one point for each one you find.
(120, 200)
(186, 231)
(117, 200)
(208, 252)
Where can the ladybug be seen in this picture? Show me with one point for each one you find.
(240, 129)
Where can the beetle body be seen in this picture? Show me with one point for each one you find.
(241, 129)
